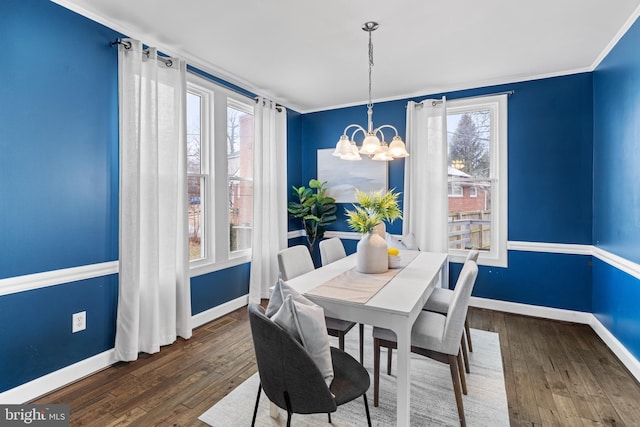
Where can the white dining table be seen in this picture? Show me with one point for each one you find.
(396, 306)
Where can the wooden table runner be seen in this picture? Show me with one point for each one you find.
(358, 287)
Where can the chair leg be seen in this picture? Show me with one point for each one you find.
(289, 419)
(376, 371)
(255, 411)
(453, 366)
(361, 344)
(389, 356)
(329, 415)
(465, 355)
(468, 332)
(463, 380)
(366, 408)
(341, 341)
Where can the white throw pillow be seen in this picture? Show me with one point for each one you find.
(280, 292)
(409, 241)
(392, 242)
(307, 325)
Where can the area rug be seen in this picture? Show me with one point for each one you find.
(432, 398)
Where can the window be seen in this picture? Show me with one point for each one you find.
(220, 175)
(454, 190)
(477, 175)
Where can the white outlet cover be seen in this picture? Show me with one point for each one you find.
(79, 322)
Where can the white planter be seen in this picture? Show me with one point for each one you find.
(371, 254)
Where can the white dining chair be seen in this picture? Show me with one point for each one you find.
(439, 302)
(436, 336)
(296, 261)
(331, 250)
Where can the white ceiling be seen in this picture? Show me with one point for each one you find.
(312, 55)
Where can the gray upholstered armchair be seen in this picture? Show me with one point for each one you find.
(291, 379)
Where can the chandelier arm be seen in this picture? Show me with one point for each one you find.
(353, 125)
(359, 129)
(379, 130)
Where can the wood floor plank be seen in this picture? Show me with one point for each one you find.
(556, 373)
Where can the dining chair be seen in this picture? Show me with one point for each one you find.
(436, 336)
(331, 250)
(295, 261)
(439, 302)
(293, 381)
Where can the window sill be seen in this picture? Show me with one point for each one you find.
(201, 269)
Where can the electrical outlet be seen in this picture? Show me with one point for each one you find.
(79, 322)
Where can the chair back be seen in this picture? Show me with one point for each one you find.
(331, 250)
(454, 324)
(288, 375)
(294, 261)
(472, 256)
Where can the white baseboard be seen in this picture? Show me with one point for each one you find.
(57, 379)
(627, 359)
(532, 310)
(218, 311)
(72, 373)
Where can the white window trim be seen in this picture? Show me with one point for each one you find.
(217, 252)
(497, 104)
(473, 191)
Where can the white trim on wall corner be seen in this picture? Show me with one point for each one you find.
(28, 282)
(614, 41)
(72, 373)
(218, 311)
(616, 261)
(58, 379)
(632, 364)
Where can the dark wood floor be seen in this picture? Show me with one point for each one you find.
(556, 374)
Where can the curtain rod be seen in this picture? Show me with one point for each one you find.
(507, 92)
(127, 45)
(264, 102)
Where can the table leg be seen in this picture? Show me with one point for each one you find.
(404, 386)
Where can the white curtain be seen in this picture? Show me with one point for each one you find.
(154, 302)
(269, 196)
(425, 175)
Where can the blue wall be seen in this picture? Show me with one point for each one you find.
(59, 188)
(616, 151)
(58, 139)
(616, 187)
(58, 184)
(35, 328)
(550, 162)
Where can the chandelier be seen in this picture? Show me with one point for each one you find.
(372, 145)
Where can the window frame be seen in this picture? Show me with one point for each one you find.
(453, 186)
(497, 105)
(217, 253)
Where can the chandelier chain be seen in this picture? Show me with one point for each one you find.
(370, 104)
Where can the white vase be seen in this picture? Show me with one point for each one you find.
(371, 254)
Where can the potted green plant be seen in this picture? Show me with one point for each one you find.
(315, 209)
(370, 212)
